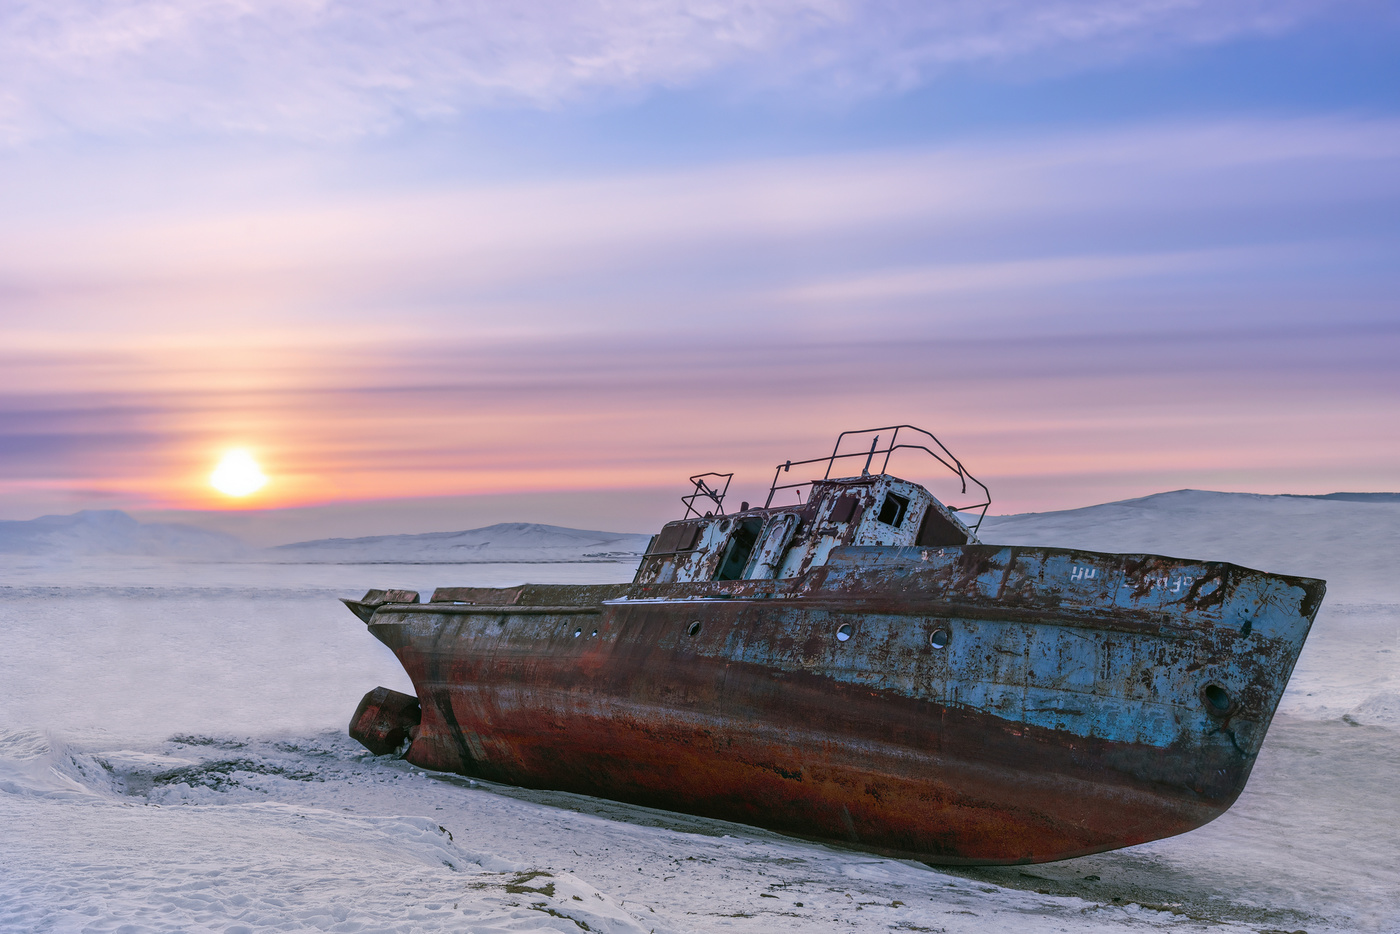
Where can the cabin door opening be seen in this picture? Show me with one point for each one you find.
(768, 556)
(736, 554)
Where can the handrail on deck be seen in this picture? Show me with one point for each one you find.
(945, 458)
(706, 490)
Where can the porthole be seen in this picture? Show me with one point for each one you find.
(595, 632)
(694, 628)
(577, 633)
(939, 638)
(1218, 700)
(843, 632)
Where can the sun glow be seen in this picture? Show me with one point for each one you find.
(237, 474)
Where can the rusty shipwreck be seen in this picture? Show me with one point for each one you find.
(859, 668)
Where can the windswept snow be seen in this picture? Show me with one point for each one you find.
(173, 758)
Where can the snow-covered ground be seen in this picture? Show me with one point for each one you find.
(173, 758)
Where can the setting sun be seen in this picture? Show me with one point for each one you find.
(237, 474)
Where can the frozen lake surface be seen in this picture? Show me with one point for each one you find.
(173, 758)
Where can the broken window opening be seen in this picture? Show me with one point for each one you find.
(740, 548)
(893, 509)
(938, 529)
(844, 507)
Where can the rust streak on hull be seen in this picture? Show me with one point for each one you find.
(937, 785)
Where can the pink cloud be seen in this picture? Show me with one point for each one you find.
(1045, 423)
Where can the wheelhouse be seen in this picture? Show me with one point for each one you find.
(769, 542)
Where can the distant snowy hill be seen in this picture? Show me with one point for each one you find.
(523, 542)
(112, 532)
(1350, 540)
(1352, 497)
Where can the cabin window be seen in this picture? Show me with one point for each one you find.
(893, 509)
(844, 508)
(666, 541)
(938, 529)
(736, 555)
(675, 538)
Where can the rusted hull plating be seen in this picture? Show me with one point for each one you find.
(1077, 702)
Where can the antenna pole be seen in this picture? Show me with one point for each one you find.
(865, 471)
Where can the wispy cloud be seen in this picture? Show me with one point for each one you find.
(750, 244)
(1086, 316)
(1013, 275)
(347, 67)
(1046, 421)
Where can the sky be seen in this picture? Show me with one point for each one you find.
(543, 261)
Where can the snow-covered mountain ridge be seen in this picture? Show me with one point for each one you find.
(515, 542)
(1350, 539)
(112, 532)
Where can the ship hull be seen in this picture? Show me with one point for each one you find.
(1068, 711)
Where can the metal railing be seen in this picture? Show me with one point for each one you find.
(942, 455)
(704, 490)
